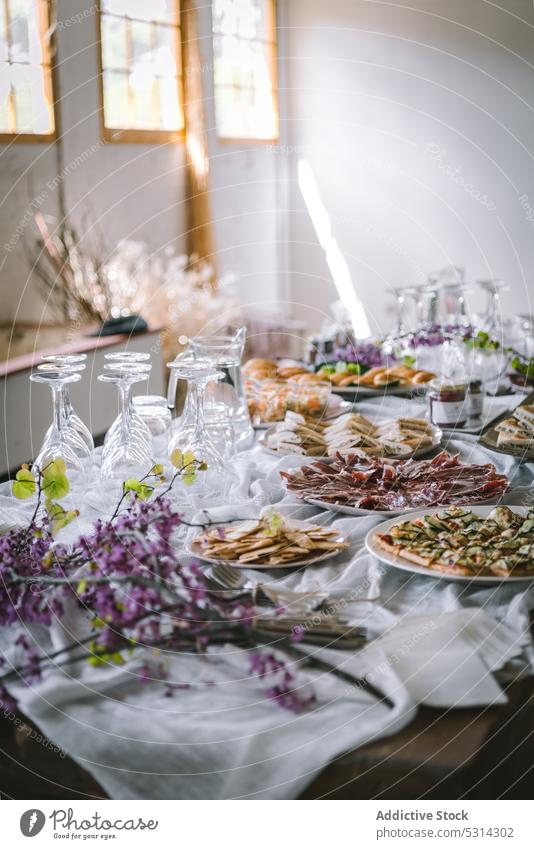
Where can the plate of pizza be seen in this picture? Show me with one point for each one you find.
(471, 544)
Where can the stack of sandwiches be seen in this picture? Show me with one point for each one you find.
(350, 434)
(517, 431)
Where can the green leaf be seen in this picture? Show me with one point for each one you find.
(82, 586)
(24, 484)
(132, 485)
(157, 469)
(274, 521)
(408, 360)
(188, 459)
(142, 490)
(354, 368)
(55, 481)
(177, 458)
(202, 466)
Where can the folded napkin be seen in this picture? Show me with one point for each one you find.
(446, 660)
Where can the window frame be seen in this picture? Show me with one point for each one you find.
(275, 89)
(49, 72)
(132, 135)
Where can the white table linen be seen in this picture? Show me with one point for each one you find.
(436, 642)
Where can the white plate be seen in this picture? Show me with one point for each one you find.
(361, 511)
(437, 437)
(351, 511)
(194, 549)
(369, 392)
(400, 562)
(336, 407)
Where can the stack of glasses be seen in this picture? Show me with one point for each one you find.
(68, 437)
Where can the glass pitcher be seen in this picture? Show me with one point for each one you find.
(227, 398)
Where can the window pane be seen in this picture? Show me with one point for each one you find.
(4, 108)
(115, 99)
(3, 43)
(4, 117)
(19, 36)
(169, 105)
(244, 18)
(148, 95)
(114, 53)
(244, 69)
(141, 43)
(27, 110)
(142, 98)
(164, 52)
(144, 10)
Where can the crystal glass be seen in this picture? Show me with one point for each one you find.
(138, 427)
(57, 443)
(154, 412)
(194, 437)
(218, 416)
(127, 357)
(127, 452)
(79, 432)
(225, 350)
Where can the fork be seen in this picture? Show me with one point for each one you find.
(231, 579)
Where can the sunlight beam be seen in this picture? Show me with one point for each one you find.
(334, 258)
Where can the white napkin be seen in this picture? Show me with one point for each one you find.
(446, 660)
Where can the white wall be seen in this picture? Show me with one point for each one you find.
(383, 97)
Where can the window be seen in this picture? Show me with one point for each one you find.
(141, 70)
(26, 100)
(244, 47)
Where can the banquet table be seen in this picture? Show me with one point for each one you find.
(441, 651)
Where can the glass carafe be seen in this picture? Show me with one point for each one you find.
(226, 398)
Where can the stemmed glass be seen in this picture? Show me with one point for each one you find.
(194, 438)
(126, 451)
(138, 427)
(78, 433)
(57, 444)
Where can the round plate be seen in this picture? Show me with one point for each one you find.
(352, 511)
(370, 392)
(401, 563)
(194, 549)
(336, 407)
(437, 436)
(361, 511)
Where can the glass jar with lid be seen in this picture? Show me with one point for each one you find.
(447, 402)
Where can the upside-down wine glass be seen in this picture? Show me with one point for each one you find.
(193, 438)
(56, 444)
(138, 427)
(127, 452)
(76, 432)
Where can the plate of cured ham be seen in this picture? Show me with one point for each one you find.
(359, 486)
(473, 544)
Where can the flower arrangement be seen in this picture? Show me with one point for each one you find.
(126, 580)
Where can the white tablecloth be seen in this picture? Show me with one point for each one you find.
(436, 642)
